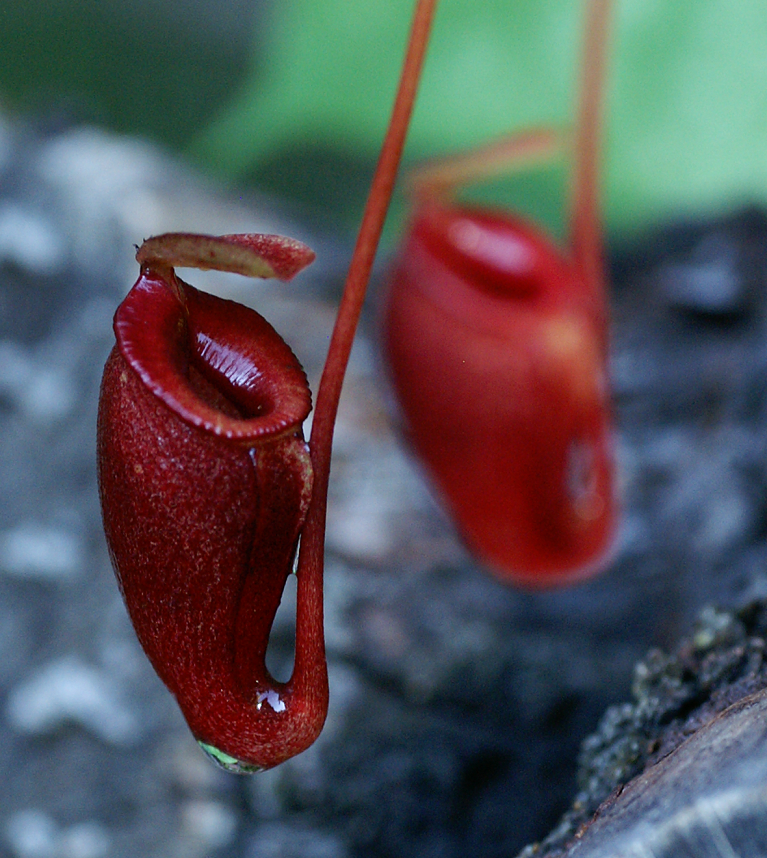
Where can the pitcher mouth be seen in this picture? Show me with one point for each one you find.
(165, 328)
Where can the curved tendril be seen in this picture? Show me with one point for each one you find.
(585, 228)
(509, 153)
(309, 641)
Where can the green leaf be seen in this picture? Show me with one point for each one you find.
(686, 113)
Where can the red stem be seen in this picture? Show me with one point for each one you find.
(586, 227)
(310, 648)
(511, 152)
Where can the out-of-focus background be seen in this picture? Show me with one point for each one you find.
(294, 96)
(458, 703)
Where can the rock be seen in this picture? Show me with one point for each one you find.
(33, 834)
(70, 691)
(32, 551)
(705, 799)
(680, 769)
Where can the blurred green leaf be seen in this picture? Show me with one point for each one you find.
(149, 67)
(687, 111)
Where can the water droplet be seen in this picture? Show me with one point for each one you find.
(272, 698)
(227, 762)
